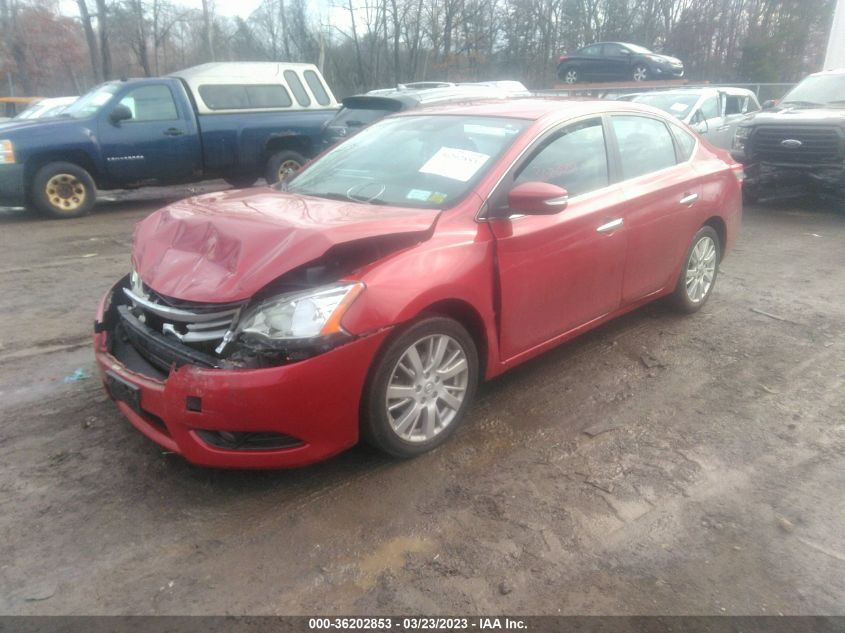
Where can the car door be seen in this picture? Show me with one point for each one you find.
(661, 188)
(590, 62)
(557, 272)
(710, 114)
(617, 61)
(736, 107)
(158, 142)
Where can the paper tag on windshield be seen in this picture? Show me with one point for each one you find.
(457, 164)
(678, 107)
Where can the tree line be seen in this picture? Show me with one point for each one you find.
(364, 44)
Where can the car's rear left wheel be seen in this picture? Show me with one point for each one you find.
(420, 387)
(570, 75)
(698, 276)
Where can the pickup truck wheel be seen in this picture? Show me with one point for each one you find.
(283, 163)
(420, 387)
(63, 190)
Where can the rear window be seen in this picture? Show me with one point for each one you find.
(299, 92)
(317, 87)
(245, 97)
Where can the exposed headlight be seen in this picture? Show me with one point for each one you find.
(136, 285)
(7, 153)
(740, 137)
(303, 315)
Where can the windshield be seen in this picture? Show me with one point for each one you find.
(676, 104)
(91, 103)
(414, 161)
(642, 50)
(818, 90)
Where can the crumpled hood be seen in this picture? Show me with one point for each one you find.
(226, 246)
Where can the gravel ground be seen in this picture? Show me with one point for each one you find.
(658, 465)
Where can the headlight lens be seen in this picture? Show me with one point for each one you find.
(310, 314)
(7, 153)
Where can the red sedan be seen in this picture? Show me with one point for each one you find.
(367, 297)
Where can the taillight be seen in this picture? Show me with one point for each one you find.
(563, 58)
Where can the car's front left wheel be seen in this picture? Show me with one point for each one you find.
(63, 190)
(420, 387)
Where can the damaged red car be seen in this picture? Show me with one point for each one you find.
(367, 297)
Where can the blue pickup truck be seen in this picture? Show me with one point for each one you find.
(237, 121)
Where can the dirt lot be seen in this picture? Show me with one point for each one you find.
(716, 488)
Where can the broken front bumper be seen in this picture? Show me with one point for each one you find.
(306, 411)
(767, 180)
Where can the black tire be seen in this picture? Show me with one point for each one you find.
(640, 72)
(680, 298)
(63, 190)
(241, 182)
(282, 163)
(569, 75)
(376, 428)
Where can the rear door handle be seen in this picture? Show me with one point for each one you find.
(609, 227)
(689, 199)
(173, 131)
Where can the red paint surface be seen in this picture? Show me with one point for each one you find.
(521, 285)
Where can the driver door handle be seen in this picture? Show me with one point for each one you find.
(609, 227)
(173, 131)
(688, 199)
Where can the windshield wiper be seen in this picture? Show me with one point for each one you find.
(802, 104)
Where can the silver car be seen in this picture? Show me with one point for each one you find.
(712, 112)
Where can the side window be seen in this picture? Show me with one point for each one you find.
(317, 88)
(244, 97)
(751, 105)
(297, 88)
(575, 159)
(590, 51)
(734, 104)
(686, 142)
(645, 145)
(614, 50)
(151, 103)
(710, 108)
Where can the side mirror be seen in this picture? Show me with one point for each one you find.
(119, 113)
(769, 104)
(537, 198)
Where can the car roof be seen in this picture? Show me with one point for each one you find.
(535, 109)
(406, 98)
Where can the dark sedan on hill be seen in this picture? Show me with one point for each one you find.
(617, 61)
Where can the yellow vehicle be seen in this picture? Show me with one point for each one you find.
(12, 106)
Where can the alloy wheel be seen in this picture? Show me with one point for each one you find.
(640, 73)
(427, 387)
(571, 76)
(701, 269)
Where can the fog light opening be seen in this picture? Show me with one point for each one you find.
(248, 441)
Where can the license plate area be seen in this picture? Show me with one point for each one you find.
(124, 391)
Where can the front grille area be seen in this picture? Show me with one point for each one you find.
(819, 144)
(201, 326)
